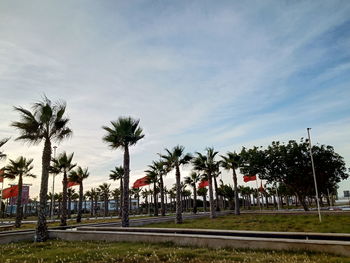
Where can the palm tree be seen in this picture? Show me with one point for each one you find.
(232, 161)
(21, 168)
(161, 168)
(152, 177)
(203, 192)
(2, 142)
(46, 122)
(63, 164)
(78, 176)
(208, 165)
(116, 195)
(105, 192)
(192, 180)
(71, 194)
(173, 160)
(124, 133)
(90, 195)
(136, 193)
(118, 174)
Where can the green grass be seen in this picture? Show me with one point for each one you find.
(63, 251)
(331, 223)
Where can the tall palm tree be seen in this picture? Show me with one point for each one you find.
(152, 178)
(46, 123)
(63, 164)
(232, 161)
(19, 168)
(161, 168)
(192, 180)
(78, 176)
(118, 174)
(105, 192)
(174, 159)
(207, 165)
(124, 133)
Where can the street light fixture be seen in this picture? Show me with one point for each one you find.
(314, 174)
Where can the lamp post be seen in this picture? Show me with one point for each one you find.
(314, 174)
(53, 186)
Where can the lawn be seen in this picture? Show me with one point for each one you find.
(63, 251)
(331, 223)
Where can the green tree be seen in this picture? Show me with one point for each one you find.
(78, 176)
(118, 174)
(207, 165)
(124, 133)
(232, 162)
(46, 123)
(63, 164)
(19, 168)
(174, 159)
(192, 180)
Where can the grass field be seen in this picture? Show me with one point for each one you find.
(331, 223)
(63, 251)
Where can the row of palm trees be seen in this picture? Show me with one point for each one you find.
(46, 122)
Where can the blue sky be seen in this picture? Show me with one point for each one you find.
(225, 74)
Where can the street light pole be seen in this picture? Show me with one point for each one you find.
(314, 174)
(53, 186)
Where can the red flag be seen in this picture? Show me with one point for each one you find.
(70, 184)
(247, 178)
(203, 184)
(141, 182)
(10, 192)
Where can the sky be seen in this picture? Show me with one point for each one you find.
(222, 74)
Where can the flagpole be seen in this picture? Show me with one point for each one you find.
(314, 174)
(53, 186)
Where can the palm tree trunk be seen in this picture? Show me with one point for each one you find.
(19, 214)
(217, 204)
(80, 205)
(64, 200)
(121, 197)
(106, 206)
(41, 228)
(125, 213)
(211, 197)
(237, 211)
(205, 202)
(194, 199)
(155, 199)
(178, 219)
(161, 185)
(69, 203)
(92, 206)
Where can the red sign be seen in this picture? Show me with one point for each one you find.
(247, 178)
(141, 182)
